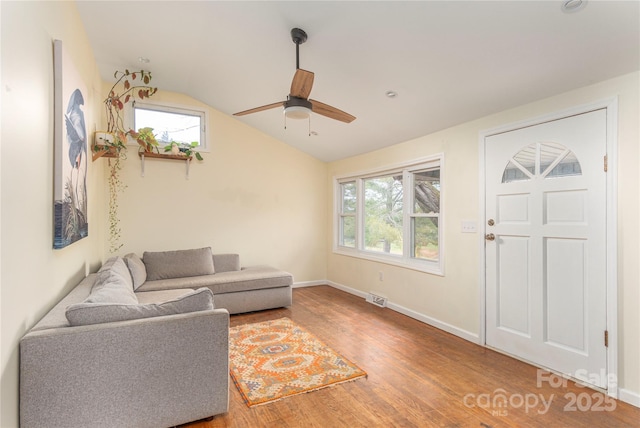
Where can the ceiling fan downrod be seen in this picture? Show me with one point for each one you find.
(299, 37)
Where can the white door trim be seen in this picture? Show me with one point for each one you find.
(611, 106)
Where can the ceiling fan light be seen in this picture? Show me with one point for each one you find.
(297, 112)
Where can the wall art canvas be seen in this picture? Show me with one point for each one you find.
(70, 152)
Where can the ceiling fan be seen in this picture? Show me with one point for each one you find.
(298, 105)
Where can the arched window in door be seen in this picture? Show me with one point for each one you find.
(541, 160)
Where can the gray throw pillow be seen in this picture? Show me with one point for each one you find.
(226, 262)
(178, 264)
(113, 284)
(98, 313)
(136, 268)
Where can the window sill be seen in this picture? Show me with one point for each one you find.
(432, 268)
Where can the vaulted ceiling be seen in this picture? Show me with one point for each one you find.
(449, 62)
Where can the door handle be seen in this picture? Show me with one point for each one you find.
(489, 236)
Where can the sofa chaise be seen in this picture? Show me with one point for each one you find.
(136, 345)
(237, 289)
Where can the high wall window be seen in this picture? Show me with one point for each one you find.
(392, 216)
(170, 123)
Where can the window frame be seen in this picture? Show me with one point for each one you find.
(406, 260)
(176, 109)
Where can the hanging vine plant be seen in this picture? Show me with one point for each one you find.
(128, 87)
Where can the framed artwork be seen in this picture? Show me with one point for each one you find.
(70, 152)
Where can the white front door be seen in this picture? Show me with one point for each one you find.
(545, 243)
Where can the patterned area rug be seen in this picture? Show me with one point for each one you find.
(275, 359)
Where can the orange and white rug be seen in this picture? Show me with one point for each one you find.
(275, 359)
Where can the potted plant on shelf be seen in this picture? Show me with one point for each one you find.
(146, 139)
(128, 87)
(184, 149)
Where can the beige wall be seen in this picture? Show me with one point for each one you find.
(252, 195)
(453, 300)
(34, 276)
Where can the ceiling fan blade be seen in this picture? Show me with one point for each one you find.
(302, 84)
(257, 109)
(331, 112)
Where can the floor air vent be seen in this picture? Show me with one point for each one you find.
(377, 300)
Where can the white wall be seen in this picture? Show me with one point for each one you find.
(34, 276)
(453, 300)
(252, 195)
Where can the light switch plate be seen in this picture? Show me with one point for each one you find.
(469, 226)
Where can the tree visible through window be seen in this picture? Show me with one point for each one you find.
(424, 218)
(348, 214)
(171, 124)
(383, 214)
(395, 214)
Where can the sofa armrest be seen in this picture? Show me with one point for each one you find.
(161, 371)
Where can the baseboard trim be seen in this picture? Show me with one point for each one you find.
(347, 289)
(467, 335)
(308, 284)
(629, 397)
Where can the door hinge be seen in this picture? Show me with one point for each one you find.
(606, 338)
(606, 163)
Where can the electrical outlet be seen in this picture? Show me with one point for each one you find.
(469, 226)
(380, 276)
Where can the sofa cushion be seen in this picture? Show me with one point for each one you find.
(113, 285)
(247, 279)
(161, 296)
(136, 268)
(226, 262)
(178, 264)
(97, 313)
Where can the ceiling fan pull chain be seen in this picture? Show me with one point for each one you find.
(309, 125)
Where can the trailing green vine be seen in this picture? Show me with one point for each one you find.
(123, 91)
(115, 186)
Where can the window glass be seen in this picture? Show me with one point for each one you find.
(171, 124)
(349, 197)
(425, 238)
(426, 190)
(348, 205)
(542, 160)
(393, 216)
(424, 218)
(348, 231)
(526, 158)
(383, 214)
(513, 173)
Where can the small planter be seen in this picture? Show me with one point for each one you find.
(103, 145)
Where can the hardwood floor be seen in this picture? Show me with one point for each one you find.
(418, 376)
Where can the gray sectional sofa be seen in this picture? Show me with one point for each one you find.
(235, 288)
(142, 342)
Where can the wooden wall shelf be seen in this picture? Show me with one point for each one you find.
(152, 155)
(161, 156)
(103, 153)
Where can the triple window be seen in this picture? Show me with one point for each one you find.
(393, 215)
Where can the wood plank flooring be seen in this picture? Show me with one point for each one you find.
(418, 376)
